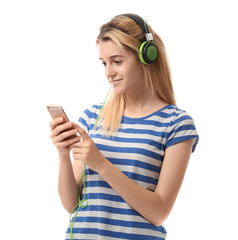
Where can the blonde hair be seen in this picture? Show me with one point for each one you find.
(126, 33)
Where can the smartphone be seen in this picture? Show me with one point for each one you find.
(56, 111)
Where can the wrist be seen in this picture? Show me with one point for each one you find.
(64, 155)
(105, 167)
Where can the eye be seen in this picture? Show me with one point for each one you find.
(104, 63)
(117, 62)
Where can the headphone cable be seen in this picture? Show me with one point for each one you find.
(84, 202)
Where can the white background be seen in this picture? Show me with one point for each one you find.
(48, 55)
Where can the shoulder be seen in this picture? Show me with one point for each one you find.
(173, 111)
(175, 115)
(181, 126)
(94, 109)
(89, 116)
(91, 112)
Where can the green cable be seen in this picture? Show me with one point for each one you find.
(81, 204)
(101, 108)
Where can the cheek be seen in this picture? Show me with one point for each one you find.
(133, 68)
(135, 72)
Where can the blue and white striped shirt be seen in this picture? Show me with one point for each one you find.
(137, 149)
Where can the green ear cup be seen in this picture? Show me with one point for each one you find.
(148, 52)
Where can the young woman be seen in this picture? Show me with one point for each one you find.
(137, 153)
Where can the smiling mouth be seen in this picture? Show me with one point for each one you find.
(115, 80)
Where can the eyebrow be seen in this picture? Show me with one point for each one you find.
(114, 56)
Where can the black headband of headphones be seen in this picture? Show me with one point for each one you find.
(139, 20)
(148, 51)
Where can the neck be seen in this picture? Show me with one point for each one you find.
(142, 104)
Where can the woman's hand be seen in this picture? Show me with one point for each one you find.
(63, 134)
(87, 152)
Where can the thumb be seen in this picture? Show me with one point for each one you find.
(83, 134)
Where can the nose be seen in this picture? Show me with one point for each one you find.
(109, 71)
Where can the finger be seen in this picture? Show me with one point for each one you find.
(64, 135)
(76, 150)
(76, 126)
(67, 143)
(77, 144)
(81, 147)
(61, 128)
(77, 157)
(55, 122)
(83, 134)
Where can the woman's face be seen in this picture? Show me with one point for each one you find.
(123, 70)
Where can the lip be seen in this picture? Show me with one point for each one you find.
(115, 80)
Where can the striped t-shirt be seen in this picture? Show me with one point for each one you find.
(137, 149)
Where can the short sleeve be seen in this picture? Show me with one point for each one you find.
(84, 120)
(182, 128)
(88, 118)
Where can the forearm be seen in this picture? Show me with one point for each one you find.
(153, 206)
(67, 186)
(149, 204)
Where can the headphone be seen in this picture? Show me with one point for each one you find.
(148, 51)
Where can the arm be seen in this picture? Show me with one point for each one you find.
(154, 206)
(68, 182)
(67, 186)
(69, 175)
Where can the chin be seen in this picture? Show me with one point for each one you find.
(119, 91)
